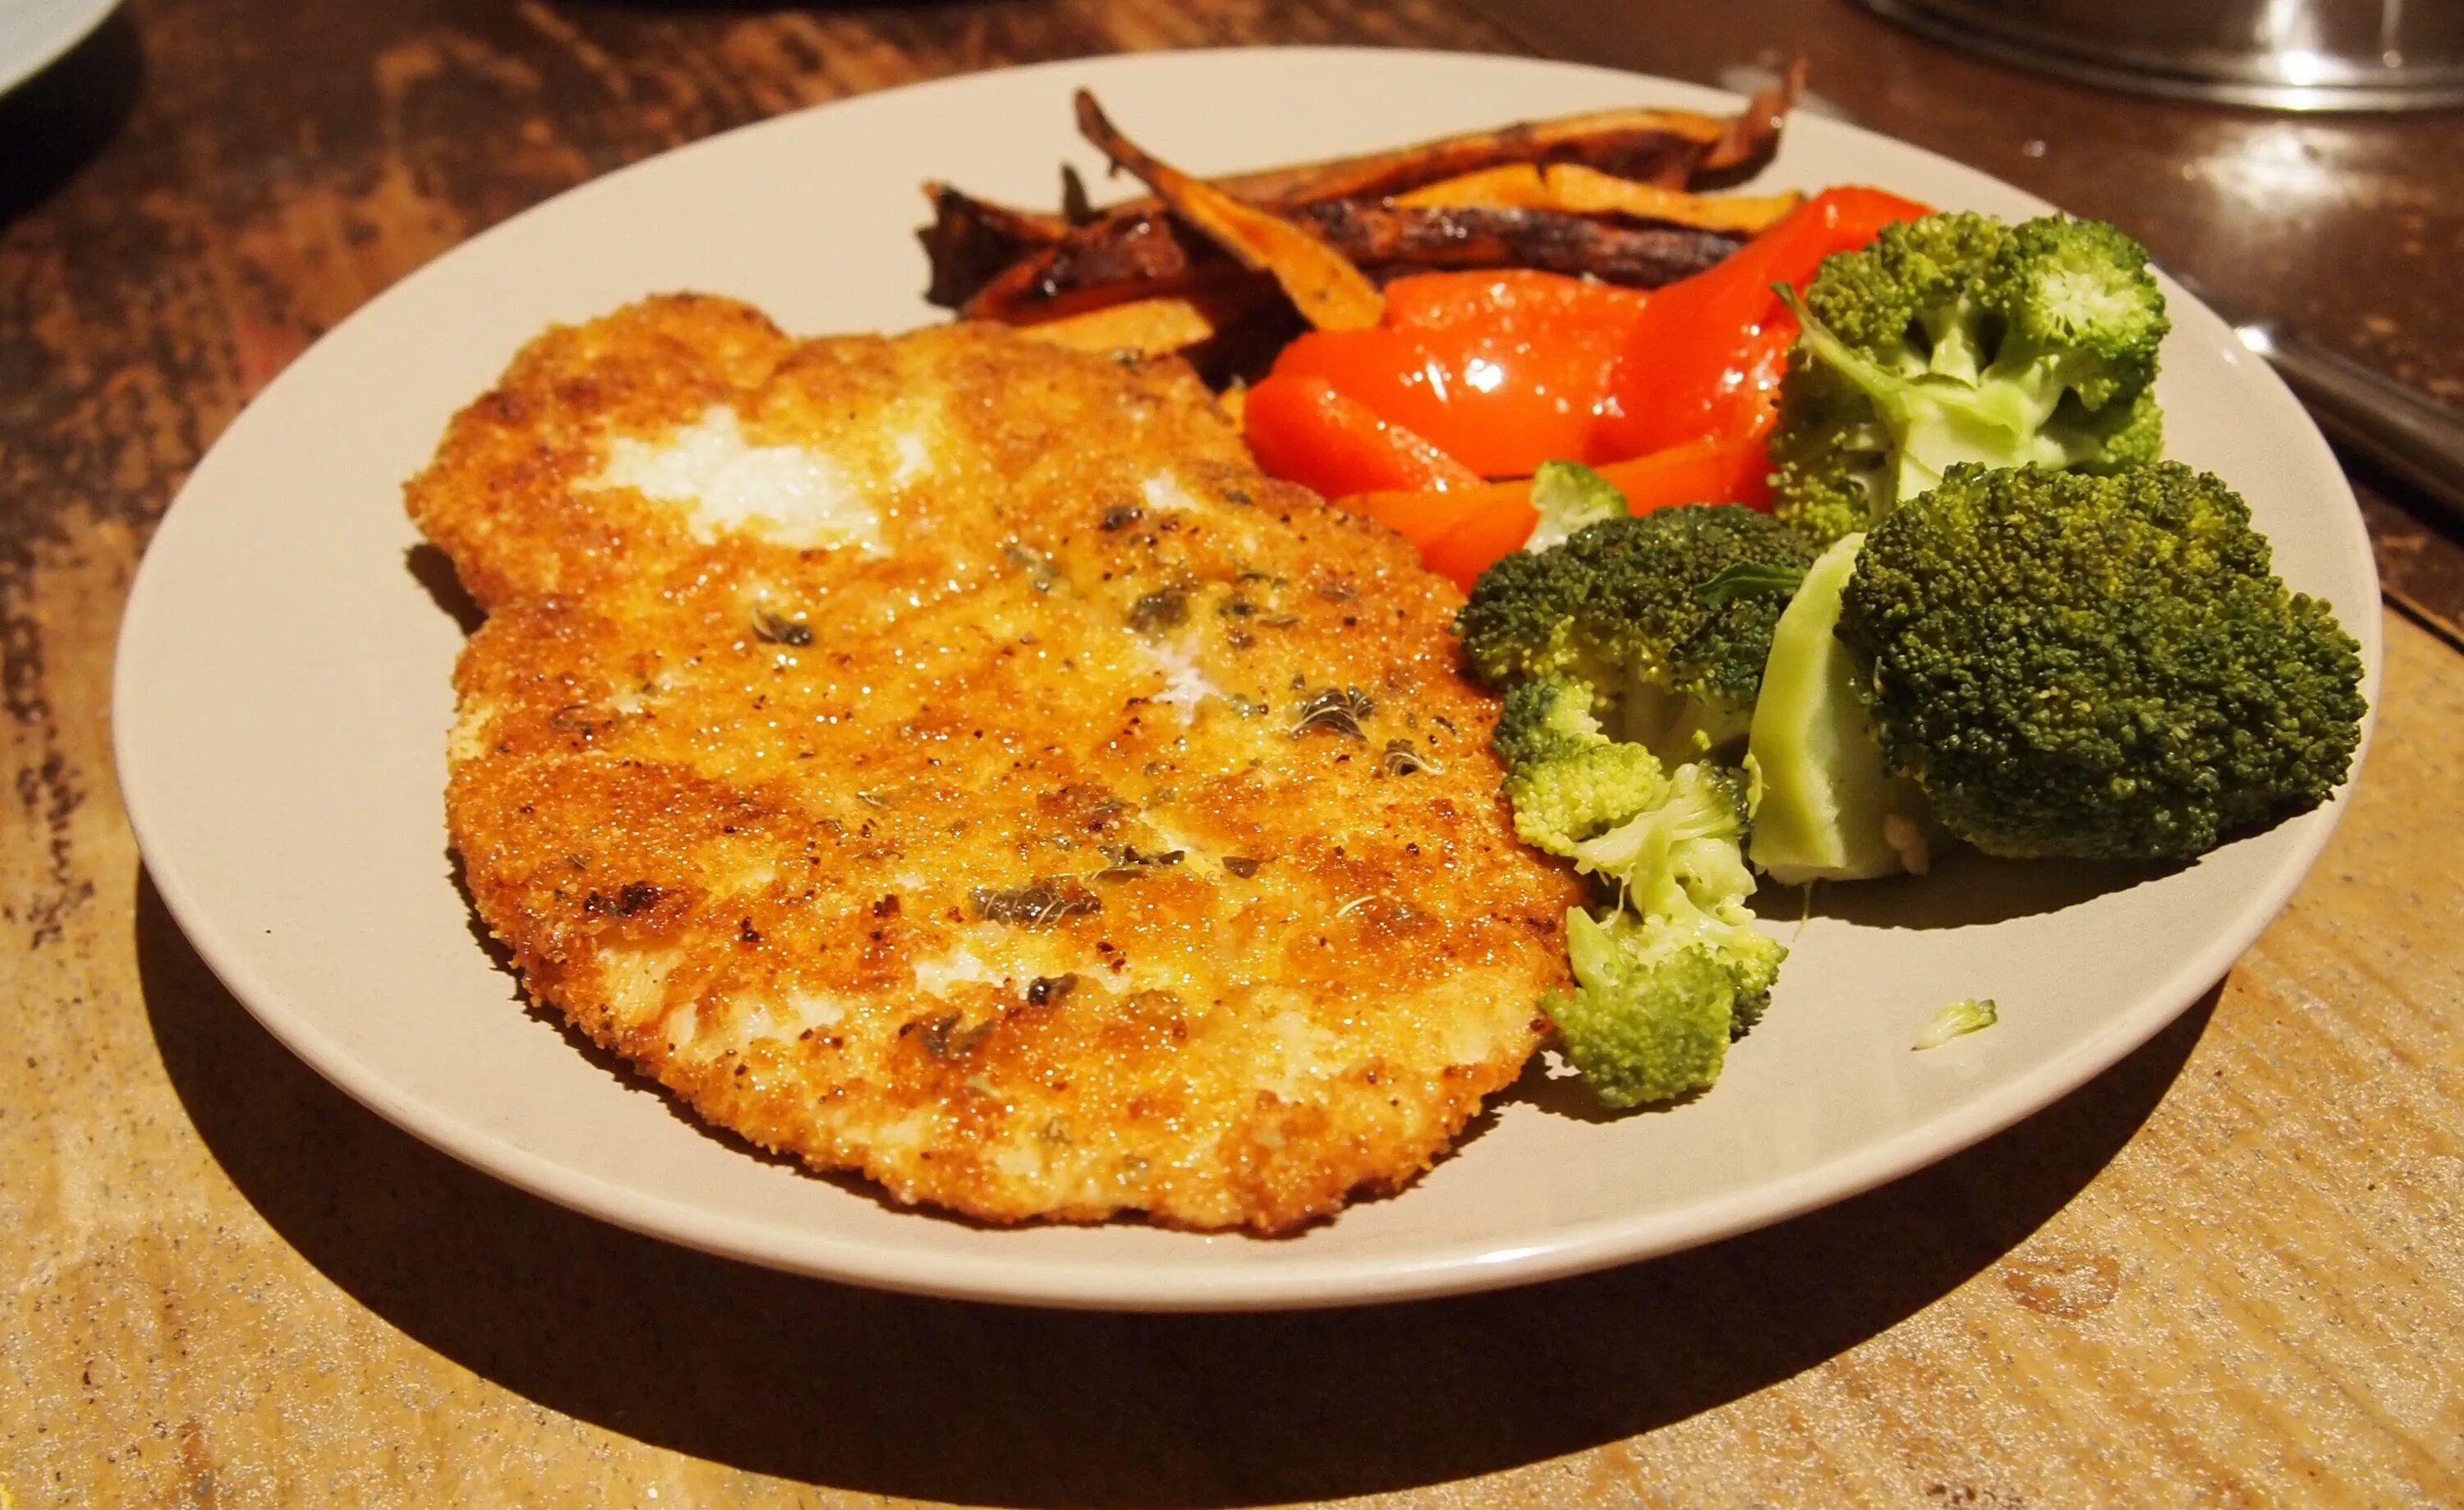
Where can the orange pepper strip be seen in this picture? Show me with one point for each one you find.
(1462, 532)
(1480, 541)
(1716, 469)
(1422, 517)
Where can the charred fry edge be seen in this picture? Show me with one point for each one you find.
(1681, 144)
(1014, 265)
(1328, 290)
(1395, 237)
(973, 242)
(1156, 259)
(1752, 134)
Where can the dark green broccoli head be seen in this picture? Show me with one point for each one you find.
(2120, 435)
(1677, 603)
(2097, 666)
(1832, 472)
(1543, 717)
(1957, 339)
(1910, 299)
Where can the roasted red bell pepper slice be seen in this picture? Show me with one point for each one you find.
(1300, 429)
(1447, 300)
(1705, 355)
(1501, 370)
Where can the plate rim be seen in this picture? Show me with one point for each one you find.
(1067, 1283)
(74, 23)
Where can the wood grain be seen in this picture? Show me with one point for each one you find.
(2229, 1271)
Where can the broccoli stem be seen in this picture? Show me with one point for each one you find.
(1829, 807)
(1938, 420)
(1957, 349)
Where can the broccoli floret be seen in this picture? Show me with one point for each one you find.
(1543, 717)
(1827, 807)
(1684, 844)
(1567, 495)
(1566, 779)
(1665, 618)
(1957, 1020)
(1675, 969)
(1666, 981)
(2096, 666)
(1831, 471)
(1958, 339)
(1662, 621)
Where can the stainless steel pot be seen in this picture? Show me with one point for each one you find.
(2286, 55)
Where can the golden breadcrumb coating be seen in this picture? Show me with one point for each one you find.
(949, 757)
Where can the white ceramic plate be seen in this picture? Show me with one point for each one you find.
(36, 33)
(282, 701)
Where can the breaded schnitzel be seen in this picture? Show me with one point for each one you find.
(949, 757)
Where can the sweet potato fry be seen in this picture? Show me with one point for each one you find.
(1390, 237)
(1115, 261)
(1574, 190)
(1026, 227)
(1157, 260)
(1516, 186)
(1328, 291)
(1111, 264)
(971, 241)
(1752, 134)
(1671, 148)
(1150, 327)
(1583, 190)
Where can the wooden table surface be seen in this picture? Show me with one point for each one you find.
(2228, 1272)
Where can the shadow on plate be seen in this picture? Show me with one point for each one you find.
(55, 120)
(434, 571)
(990, 1404)
(1967, 889)
(1549, 1087)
